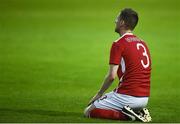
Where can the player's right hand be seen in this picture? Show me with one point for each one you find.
(97, 96)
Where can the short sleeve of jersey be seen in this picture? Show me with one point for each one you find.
(115, 53)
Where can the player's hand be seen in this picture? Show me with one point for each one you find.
(97, 96)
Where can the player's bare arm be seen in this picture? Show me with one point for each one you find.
(109, 78)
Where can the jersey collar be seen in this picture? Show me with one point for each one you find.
(126, 34)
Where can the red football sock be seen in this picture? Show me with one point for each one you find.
(108, 114)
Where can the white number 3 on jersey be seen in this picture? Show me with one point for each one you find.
(144, 54)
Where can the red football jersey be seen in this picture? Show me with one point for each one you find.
(133, 57)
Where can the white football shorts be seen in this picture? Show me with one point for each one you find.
(117, 101)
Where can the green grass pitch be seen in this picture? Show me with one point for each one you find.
(54, 55)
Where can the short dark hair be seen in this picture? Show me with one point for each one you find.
(130, 18)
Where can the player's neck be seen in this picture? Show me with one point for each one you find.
(122, 32)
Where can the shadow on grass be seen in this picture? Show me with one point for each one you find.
(42, 112)
(56, 114)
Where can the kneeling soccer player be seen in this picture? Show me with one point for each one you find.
(130, 60)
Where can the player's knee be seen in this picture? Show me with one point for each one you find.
(86, 112)
(88, 109)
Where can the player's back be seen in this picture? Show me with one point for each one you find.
(135, 66)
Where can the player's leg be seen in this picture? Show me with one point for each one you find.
(93, 112)
(103, 108)
(111, 104)
(136, 107)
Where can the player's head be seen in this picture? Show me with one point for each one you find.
(126, 20)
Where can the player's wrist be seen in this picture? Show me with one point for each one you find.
(100, 93)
